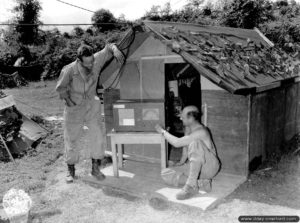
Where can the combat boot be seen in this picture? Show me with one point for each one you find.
(205, 184)
(187, 192)
(96, 163)
(71, 174)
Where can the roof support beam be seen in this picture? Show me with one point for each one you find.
(269, 42)
(268, 87)
(168, 58)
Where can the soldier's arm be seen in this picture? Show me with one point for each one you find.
(184, 155)
(109, 51)
(62, 86)
(185, 140)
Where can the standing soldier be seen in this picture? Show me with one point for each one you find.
(77, 87)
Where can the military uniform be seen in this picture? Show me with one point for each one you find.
(81, 89)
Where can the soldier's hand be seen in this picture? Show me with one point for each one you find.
(159, 129)
(118, 55)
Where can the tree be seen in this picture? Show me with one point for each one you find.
(122, 17)
(166, 10)
(90, 31)
(195, 3)
(248, 13)
(221, 5)
(104, 16)
(208, 9)
(77, 31)
(281, 3)
(66, 35)
(27, 12)
(153, 13)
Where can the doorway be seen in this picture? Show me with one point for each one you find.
(182, 88)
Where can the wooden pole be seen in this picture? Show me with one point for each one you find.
(204, 110)
(10, 156)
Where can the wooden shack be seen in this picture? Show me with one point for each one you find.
(247, 89)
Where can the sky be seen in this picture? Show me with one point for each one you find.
(57, 12)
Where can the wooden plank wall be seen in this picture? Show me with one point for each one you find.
(291, 116)
(143, 80)
(267, 121)
(153, 78)
(130, 81)
(258, 129)
(274, 120)
(227, 118)
(298, 110)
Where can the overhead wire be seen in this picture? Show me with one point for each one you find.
(75, 6)
(61, 24)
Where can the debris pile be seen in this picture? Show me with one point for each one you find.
(11, 80)
(10, 125)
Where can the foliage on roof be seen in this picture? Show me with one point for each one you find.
(230, 60)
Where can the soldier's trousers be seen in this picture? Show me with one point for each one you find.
(75, 118)
(203, 164)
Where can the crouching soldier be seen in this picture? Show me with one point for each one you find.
(203, 163)
(77, 87)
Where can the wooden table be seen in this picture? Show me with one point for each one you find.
(120, 138)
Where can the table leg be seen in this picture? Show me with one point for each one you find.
(114, 158)
(163, 153)
(120, 155)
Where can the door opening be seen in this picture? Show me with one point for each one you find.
(183, 88)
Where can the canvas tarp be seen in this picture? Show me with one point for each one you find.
(30, 131)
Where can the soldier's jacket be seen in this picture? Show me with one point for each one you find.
(72, 84)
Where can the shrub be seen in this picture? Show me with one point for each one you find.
(61, 51)
(284, 35)
(248, 13)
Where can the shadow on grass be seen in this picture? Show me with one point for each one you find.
(112, 192)
(37, 217)
(119, 194)
(159, 204)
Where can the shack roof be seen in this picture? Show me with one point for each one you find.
(238, 60)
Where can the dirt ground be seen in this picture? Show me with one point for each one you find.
(41, 173)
